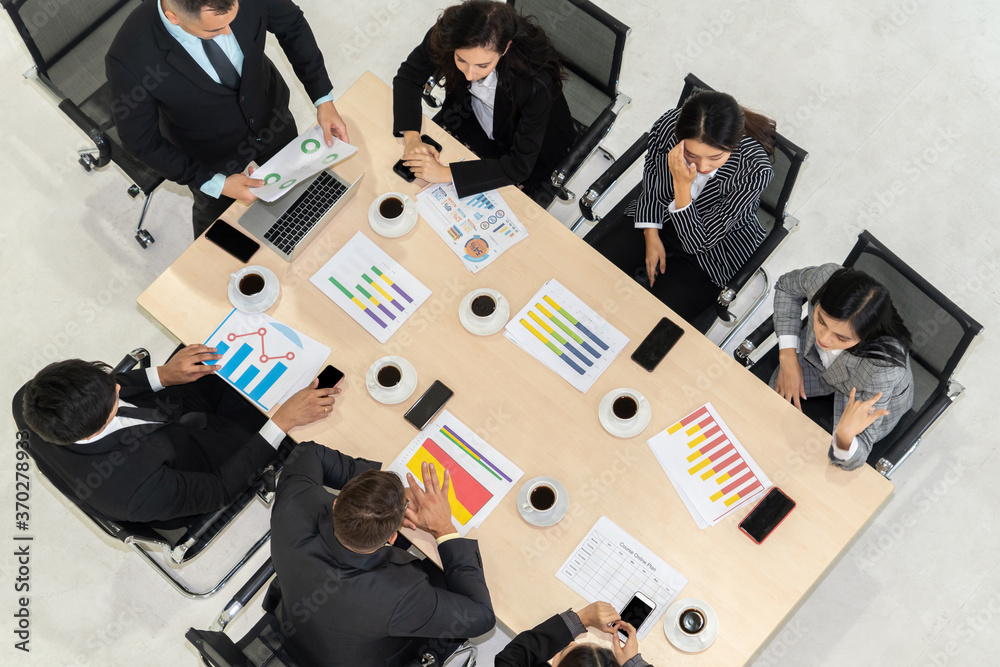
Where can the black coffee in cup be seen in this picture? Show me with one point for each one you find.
(692, 621)
(389, 376)
(483, 305)
(391, 207)
(624, 407)
(251, 283)
(542, 497)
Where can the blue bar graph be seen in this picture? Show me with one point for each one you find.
(234, 361)
(221, 348)
(269, 379)
(248, 375)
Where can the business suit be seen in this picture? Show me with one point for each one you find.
(847, 371)
(537, 646)
(341, 608)
(532, 126)
(202, 455)
(175, 118)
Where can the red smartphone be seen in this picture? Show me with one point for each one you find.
(767, 515)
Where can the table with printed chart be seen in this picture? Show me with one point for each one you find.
(512, 397)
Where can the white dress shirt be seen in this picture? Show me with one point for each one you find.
(699, 183)
(484, 94)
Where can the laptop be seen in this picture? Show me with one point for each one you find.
(287, 225)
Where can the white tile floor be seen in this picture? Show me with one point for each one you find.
(896, 101)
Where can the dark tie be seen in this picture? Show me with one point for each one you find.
(195, 420)
(228, 75)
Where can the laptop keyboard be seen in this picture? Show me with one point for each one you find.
(298, 220)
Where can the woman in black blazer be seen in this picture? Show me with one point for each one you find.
(695, 222)
(504, 99)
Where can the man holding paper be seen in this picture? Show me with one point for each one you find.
(195, 98)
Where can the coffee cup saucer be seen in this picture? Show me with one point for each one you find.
(271, 291)
(484, 326)
(680, 639)
(401, 225)
(399, 393)
(611, 423)
(549, 517)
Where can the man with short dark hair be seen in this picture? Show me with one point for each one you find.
(196, 99)
(159, 444)
(349, 596)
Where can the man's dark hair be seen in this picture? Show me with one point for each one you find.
(69, 400)
(369, 510)
(195, 7)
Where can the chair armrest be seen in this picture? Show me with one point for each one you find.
(891, 457)
(609, 177)
(215, 648)
(589, 141)
(240, 599)
(90, 128)
(137, 357)
(735, 284)
(752, 342)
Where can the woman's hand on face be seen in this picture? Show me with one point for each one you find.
(790, 383)
(656, 254)
(682, 172)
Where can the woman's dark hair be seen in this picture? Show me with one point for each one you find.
(69, 400)
(369, 509)
(491, 25)
(718, 120)
(855, 297)
(589, 655)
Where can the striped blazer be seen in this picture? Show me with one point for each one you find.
(868, 376)
(720, 228)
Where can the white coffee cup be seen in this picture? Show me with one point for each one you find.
(548, 494)
(251, 284)
(624, 409)
(391, 207)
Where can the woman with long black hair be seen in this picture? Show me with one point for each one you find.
(504, 100)
(695, 220)
(854, 347)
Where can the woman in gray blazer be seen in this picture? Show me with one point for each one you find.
(854, 346)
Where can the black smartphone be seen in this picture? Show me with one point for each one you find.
(428, 405)
(330, 377)
(403, 171)
(656, 345)
(235, 242)
(636, 612)
(765, 517)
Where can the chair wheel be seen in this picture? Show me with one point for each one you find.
(144, 238)
(87, 162)
(133, 190)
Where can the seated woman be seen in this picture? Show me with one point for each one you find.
(551, 642)
(854, 347)
(695, 220)
(504, 99)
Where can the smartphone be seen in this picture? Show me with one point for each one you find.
(656, 345)
(636, 612)
(330, 377)
(403, 171)
(767, 514)
(236, 243)
(428, 405)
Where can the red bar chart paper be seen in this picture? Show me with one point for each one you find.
(711, 471)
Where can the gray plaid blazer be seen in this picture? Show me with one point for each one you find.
(847, 371)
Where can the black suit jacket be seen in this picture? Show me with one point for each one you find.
(532, 129)
(171, 114)
(535, 647)
(159, 472)
(340, 608)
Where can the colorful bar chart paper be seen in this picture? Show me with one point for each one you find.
(566, 335)
(480, 475)
(371, 287)
(713, 473)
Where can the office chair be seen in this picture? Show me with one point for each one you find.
(67, 41)
(591, 44)
(942, 332)
(771, 213)
(179, 544)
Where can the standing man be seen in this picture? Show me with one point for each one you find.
(196, 99)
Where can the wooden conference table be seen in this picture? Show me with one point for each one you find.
(538, 420)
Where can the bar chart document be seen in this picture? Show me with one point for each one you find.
(711, 470)
(264, 359)
(480, 475)
(371, 287)
(477, 228)
(566, 335)
(610, 565)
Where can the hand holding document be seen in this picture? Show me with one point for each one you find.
(306, 155)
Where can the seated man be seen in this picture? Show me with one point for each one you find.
(348, 596)
(157, 444)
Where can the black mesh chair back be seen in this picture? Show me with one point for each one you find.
(590, 42)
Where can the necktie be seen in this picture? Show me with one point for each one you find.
(228, 75)
(194, 420)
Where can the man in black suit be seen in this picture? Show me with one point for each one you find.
(159, 444)
(195, 98)
(349, 596)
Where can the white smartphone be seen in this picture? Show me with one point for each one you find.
(636, 612)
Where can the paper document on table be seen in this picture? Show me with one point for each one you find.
(610, 566)
(264, 359)
(712, 472)
(480, 475)
(477, 228)
(373, 288)
(304, 156)
(566, 335)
